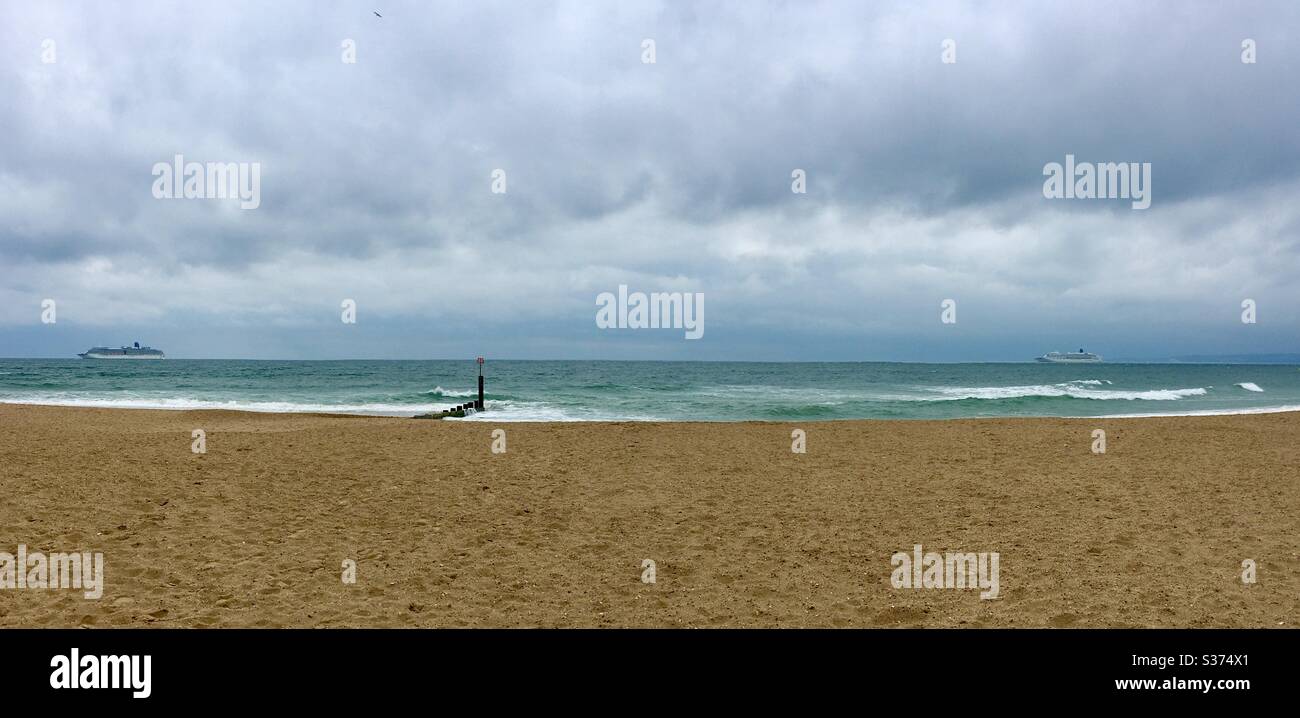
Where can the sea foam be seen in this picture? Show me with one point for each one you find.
(1067, 389)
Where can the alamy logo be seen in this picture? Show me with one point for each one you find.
(83, 571)
(948, 570)
(74, 670)
(1105, 180)
(658, 310)
(179, 179)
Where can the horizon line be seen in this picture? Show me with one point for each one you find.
(1208, 359)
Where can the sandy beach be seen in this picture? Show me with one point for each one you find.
(741, 530)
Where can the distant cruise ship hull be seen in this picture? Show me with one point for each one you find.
(1079, 358)
(132, 352)
(97, 355)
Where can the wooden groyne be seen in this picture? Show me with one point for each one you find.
(461, 410)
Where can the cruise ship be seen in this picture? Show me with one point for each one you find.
(131, 352)
(1080, 357)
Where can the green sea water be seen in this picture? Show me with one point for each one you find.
(663, 391)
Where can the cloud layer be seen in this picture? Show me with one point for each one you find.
(924, 179)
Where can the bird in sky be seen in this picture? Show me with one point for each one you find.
(376, 12)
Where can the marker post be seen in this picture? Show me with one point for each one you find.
(478, 405)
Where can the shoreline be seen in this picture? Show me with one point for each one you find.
(742, 531)
(1192, 413)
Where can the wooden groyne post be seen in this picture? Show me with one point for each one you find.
(460, 410)
(478, 405)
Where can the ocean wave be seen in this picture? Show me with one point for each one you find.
(499, 410)
(512, 411)
(524, 411)
(1250, 386)
(1202, 412)
(276, 407)
(1066, 390)
(805, 411)
(439, 391)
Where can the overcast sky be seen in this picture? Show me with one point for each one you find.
(924, 178)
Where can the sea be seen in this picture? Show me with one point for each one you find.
(659, 391)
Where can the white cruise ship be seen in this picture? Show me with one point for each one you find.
(1080, 357)
(132, 352)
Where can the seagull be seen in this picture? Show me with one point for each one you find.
(376, 12)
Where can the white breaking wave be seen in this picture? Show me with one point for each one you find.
(276, 407)
(509, 411)
(1200, 412)
(1068, 389)
(1250, 386)
(512, 411)
(539, 413)
(439, 391)
(503, 410)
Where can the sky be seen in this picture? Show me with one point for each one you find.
(922, 130)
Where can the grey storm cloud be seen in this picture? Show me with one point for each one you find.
(924, 179)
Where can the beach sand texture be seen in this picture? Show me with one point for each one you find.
(743, 532)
